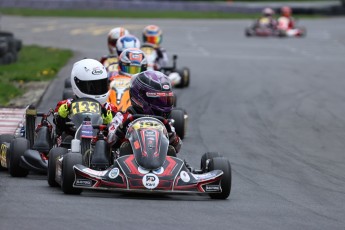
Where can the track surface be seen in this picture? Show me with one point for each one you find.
(274, 107)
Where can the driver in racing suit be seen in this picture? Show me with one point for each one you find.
(266, 20)
(153, 36)
(286, 12)
(89, 80)
(151, 94)
(113, 36)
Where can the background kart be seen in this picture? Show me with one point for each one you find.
(28, 149)
(180, 78)
(148, 169)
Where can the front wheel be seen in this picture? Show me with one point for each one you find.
(221, 163)
(185, 74)
(205, 160)
(68, 176)
(179, 122)
(5, 138)
(17, 148)
(54, 154)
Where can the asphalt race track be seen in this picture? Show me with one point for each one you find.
(274, 107)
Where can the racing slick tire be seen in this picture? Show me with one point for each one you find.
(178, 116)
(53, 155)
(67, 93)
(185, 74)
(5, 138)
(17, 148)
(68, 176)
(68, 83)
(85, 146)
(205, 160)
(221, 163)
(249, 32)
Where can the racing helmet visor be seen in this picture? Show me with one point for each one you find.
(153, 39)
(162, 100)
(132, 69)
(96, 87)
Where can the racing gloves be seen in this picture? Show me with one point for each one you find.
(63, 110)
(107, 117)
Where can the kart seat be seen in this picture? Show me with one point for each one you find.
(42, 142)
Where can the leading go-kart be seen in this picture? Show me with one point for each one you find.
(148, 165)
(281, 30)
(180, 78)
(28, 151)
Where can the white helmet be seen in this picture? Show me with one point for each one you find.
(89, 79)
(267, 12)
(125, 42)
(113, 36)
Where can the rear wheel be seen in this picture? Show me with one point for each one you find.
(221, 163)
(186, 76)
(85, 150)
(179, 122)
(68, 83)
(5, 138)
(67, 94)
(53, 155)
(205, 159)
(17, 148)
(68, 176)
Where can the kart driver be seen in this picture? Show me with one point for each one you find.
(286, 21)
(153, 36)
(151, 94)
(266, 20)
(131, 61)
(113, 36)
(89, 80)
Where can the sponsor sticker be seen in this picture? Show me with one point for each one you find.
(97, 71)
(212, 188)
(114, 173)
(166, 87)
(184, 176)
(150, 181)
(83, 182)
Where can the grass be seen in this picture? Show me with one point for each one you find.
(34, 64)
(133, 14)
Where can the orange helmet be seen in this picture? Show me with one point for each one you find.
(152, 34)
(286, 11)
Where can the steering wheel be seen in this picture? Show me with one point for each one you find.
(124, 125)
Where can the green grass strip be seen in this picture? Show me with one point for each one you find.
(133, 14)
(34, 64)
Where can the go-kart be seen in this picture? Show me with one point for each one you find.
(284, 30)
(147, 164)
(85, 115)
(260, 32)
(29, 151)
(180, 78)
